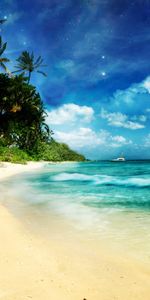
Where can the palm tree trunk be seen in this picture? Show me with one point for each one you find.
(29, 77)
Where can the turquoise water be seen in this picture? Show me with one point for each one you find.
(123, 186)
(101, 195)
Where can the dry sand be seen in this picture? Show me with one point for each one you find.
(64, 264)
(8, 169)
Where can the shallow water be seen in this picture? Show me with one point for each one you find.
(109, 200)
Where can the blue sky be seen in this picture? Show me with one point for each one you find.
(97, 93)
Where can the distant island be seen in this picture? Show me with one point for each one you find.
(24, 135)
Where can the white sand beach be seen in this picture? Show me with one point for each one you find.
(9, 169)
(63, 264)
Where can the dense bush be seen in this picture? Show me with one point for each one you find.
(54, 151)
(22, 115)
(14, 155)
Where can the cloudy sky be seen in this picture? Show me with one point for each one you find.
(97, 93)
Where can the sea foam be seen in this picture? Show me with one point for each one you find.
(103, 179)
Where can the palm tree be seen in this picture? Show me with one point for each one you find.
(27, 63)
(22, 114)
(3, 60)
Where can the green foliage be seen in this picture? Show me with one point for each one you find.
(27, 63)
(54, 151)
(3, 60)
(22, 115)
(14, 155)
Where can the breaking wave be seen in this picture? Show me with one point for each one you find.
(103, 179)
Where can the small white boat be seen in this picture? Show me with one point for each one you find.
(119, 159)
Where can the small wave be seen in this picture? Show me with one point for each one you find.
(138, 181)
(133, 181)
(72, 176)
(103, 179)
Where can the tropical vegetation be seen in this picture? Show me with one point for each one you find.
(24, 135)
(26, 62)
(3, 60)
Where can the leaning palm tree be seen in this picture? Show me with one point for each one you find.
(26, 63)
(3, 60)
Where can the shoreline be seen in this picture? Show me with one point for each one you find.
(55, 261)
(8, 169)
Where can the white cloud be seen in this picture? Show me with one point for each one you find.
(81, 138)
(120, 120)
(126, 96)
(147, 141)
(119, 138)
(86, 137)
(70, 113)
(66, 64)
(146, 84)
(119, 141)
(140, 118)
(137, 94)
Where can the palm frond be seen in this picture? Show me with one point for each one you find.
(38, 60)
(17, 71)
(41, 72)
(3, 21)
(26, 63)
(4, 59)
(2, 65)
(2, 48)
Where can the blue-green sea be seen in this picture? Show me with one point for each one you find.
(101, 185)
(105, 198)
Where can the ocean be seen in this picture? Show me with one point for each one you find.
(108, 200)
